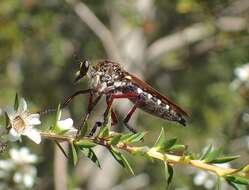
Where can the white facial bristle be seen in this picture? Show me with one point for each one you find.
(159, 102)
(167, 106)
(139, 90)
(149, 96)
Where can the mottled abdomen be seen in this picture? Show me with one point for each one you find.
(153, 105)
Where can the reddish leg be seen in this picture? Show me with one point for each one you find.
(109, 101)
(112, 97)
(128, 117)
(114, 117)
(91, 105)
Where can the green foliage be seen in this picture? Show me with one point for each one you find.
(16, 103)
(89, 153)
(119, 157)
(74, 154)
(169, 172)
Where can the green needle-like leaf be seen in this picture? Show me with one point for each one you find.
(62, 149)
(160, 139)
(121, 159)
(213, 155)
(169, 172)
(74, 153)
(206, 152)
(16, 103)
(115, 139)
(89, 153)
(103, 132)
(85, 143)
(84, 130)
(225, 159)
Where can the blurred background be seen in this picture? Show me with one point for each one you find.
(195, 52)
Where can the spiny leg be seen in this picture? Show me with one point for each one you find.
(128, 117)
(66, 101)
(70, 98)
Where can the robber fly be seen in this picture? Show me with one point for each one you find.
(110, 79)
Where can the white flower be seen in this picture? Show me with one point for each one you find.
(22, 122)
(22, 156)
(66, 125)
(19, 168)
(242, 73)
(204, 179)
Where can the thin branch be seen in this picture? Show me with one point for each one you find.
(199, 31)
(152, 152)
(104, 34)
(178, 40)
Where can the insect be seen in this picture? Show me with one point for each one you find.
(110, 79)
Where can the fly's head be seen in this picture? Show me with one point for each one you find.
(84, 68)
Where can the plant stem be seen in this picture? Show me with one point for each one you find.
(152, 152)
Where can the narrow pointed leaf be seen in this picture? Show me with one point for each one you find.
(213, 155)
(84, 130)
(89, 153)
(62, 149)
(171, 173)
(218, 183)
(169, 143)
(115, 140)
(237, 186)
(160, 139)
(206, 152)
(7, 121)
(126, 136)
(127, 164)
(238, 180)
(177, 147)
(136, 137)
(16, 104)
(225, 159)
(58, 114)
(103, 132)
(74, 153)
(85, 143)
(117, 156)
(121, 159)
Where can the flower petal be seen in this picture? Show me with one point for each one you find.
(14, 154)
(18, 177)
(28, 180)
(10, 112)
(13, 135)
(33, 134)
(66, 124)
(22, 106)
(33, 119)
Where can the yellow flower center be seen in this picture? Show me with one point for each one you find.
(19, 124)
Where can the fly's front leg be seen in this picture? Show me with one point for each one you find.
(70, 98)
(66, 101)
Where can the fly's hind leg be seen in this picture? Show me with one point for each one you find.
(128, 117)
